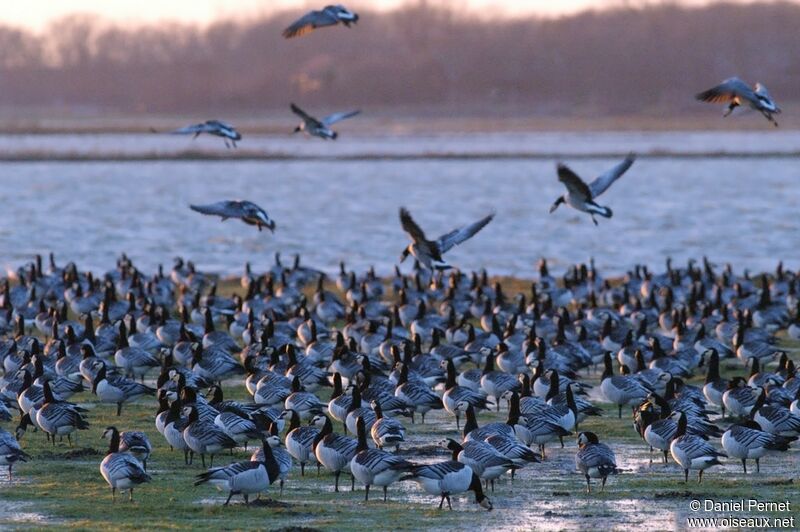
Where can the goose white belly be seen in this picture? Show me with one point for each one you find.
(737, 450)
(109, 393)
(174, 437)
(250, 481)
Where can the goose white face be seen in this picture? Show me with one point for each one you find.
(107, 434)
(583, 439)
(274, 441)
(186, 410)
(462, 406)
(318, 421)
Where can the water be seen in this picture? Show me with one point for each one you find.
(732, 209)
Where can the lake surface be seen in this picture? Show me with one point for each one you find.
(336, 206)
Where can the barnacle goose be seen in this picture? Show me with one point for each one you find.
(594, 459)
(333, 450)
(244, 478)
(620, 389)
(204, 437)
(693, 452)
(375, 467)
(10, 451)
(448, 478)
(299, 441)
(121, 470)
(747, 441)
(484, 460)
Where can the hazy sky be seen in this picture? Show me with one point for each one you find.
(35, 14)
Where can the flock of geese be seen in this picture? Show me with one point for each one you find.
(377, 355)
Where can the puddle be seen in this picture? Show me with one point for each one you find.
(18, 513)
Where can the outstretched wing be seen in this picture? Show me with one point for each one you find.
(188, 130)
(574, 184)
(411, 228)
(225, 209)
(601, 184)
(336, 117)
(308, 22)
(457, 236)
(730, 90)
(305, 116)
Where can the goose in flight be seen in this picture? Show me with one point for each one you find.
(247, 211)
(428, 252)
(328, 16)
(320, 128)
(581, 196)
(735, 92)
(212, 127)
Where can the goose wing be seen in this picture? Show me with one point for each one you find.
(417, 235)
(309, 22)
(437, 471)
(225, 209)
(305, 116)
(188, 130)
(730, 90)
(337, 117)
(574, 184)
(457, 236)
(601, 184)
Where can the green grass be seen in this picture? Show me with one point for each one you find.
(71, 493)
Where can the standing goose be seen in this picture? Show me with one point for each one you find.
(693, 452)
(118, 389)
(448, 478)
(10, 451)
(282, 457)
(320, 128)
(136, 444)
(121, 470)
(386, 430)
(174, 425)
(484, 460)
(306, 404)
(328, 16)
(429, 253)
(621, 389)
(455, 394)
(497, 383)
(375, 467)
(594, 459)
(244, 478)
(714, 387)
(416, 394)
(300, 441)
(59, 418)
(581, 196)
(739, 398)
(333, 450)
(747, 441)
(204, 437)
(735, 92)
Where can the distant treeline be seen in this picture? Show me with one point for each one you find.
(618, 61)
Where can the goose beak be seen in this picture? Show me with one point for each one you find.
(555, 204)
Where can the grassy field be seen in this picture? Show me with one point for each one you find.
(62, 487)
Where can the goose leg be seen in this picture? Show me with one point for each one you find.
(212, 460)
(588, 485)
(458, 421)
(384, 494)
(113, 494)
(744, 465)
(685, 476)
(302, 469)
(665, 457)
(130, 495)
(366, 494)
(203, 458)
(594, 220)
(700, 477)
(619, 406)
(449, 506)
(603, 485)
(246, 500)
(336, 482)
(119, 409)
(228, 499)
(281, 489)
(758, 466)
(441, 503)
(352, 483)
